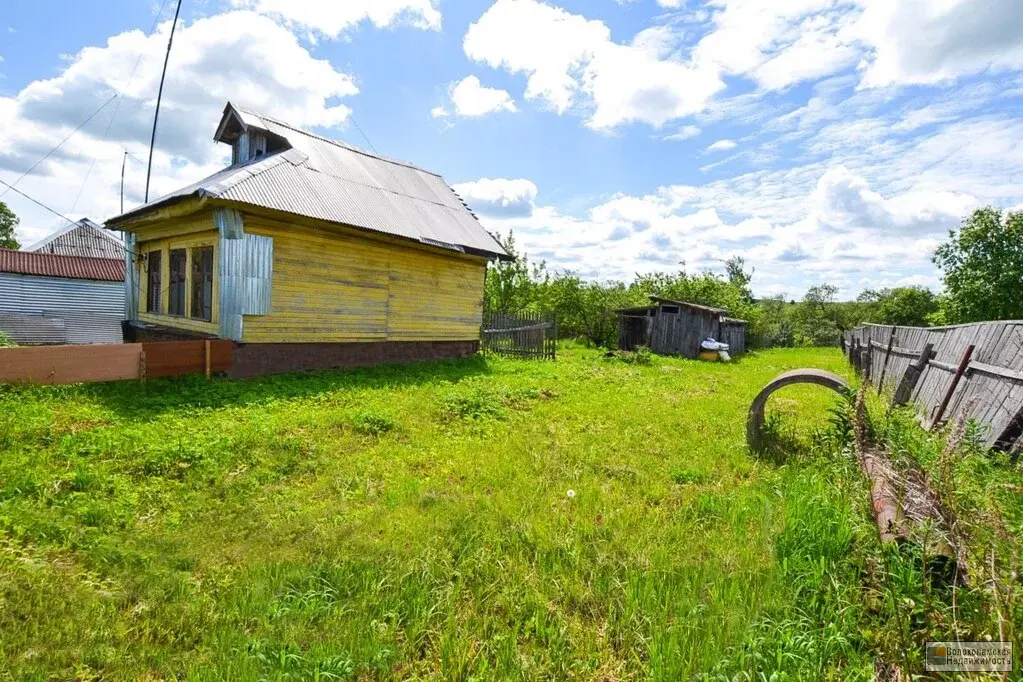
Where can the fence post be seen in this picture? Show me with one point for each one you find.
(142, 367)
(912, 376)
(963, 363)
(208, 359)
(865, 361)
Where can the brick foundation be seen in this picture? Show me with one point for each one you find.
(257, 359)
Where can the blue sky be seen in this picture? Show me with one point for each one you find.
(822, 140)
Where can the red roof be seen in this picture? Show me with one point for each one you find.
(54, 265)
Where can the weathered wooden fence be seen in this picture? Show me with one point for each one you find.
(520, 335)
(113, 362)
(971, 370)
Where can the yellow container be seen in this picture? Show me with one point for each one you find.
(708, 355)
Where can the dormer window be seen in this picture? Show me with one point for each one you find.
(248, 136)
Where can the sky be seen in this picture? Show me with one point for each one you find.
(821, 140)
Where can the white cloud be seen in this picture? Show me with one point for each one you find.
(722, 146)
(498, 196)
(471, 99)
(239, 55)
(683, 133)
(570, 60)
(333, 17)
(928, 41)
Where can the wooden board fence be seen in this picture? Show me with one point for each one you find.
(521, 335)
(988, 390)
(112, 362)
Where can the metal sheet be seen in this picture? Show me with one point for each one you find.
(37, 310)
(258, 276)
(132, 291)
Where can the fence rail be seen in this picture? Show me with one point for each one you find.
(974, 371)
(113, 362)
(531, 336)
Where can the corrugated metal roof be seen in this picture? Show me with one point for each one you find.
(54, 265)
(335, 182)
(83, 238)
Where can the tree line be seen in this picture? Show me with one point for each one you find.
(981, 263)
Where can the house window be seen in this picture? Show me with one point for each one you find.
(178, 260)
(153, 288)
(670, 309)
(202, 283)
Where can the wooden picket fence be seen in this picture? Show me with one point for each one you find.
(531, 336)
(972, 371)
(113, 362)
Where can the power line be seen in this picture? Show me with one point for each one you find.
(36, 201)
(117, 108)
(59, 144)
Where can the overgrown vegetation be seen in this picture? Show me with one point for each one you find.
(982, 266)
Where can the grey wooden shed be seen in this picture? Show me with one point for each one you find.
(670, 327)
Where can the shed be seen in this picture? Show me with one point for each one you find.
(669, 327)
(733, 332)
(309, 253)
(53, 299)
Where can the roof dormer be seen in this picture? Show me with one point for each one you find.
(249, 135)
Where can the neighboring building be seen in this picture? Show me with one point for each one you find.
(52, 299)
(310, 253)
(83, 238)
(677, 328)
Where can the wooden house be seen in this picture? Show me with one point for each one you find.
(309, 253)
(670, 327)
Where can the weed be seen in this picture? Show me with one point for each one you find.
(373, 423)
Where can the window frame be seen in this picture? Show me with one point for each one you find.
(177, 282)
(201, 282)
(154, 299)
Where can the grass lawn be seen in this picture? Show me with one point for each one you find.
(487, 519)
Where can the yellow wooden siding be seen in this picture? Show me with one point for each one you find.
(193, 231)
(339, 287)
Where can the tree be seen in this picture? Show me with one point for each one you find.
(509, 286)
(816, 318)
(982, 266)
(8, 221)
(906, 306)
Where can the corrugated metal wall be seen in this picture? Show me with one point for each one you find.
(246, 273)
(36, 310)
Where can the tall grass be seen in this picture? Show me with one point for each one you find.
(417, 523)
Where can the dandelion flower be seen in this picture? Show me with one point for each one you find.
(570, 494)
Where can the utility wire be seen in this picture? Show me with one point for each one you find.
(36, 201)
(59, 145)
(117, 108)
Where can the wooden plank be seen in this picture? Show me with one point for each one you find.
(999, 378)
(175, 358)
(69, 364)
